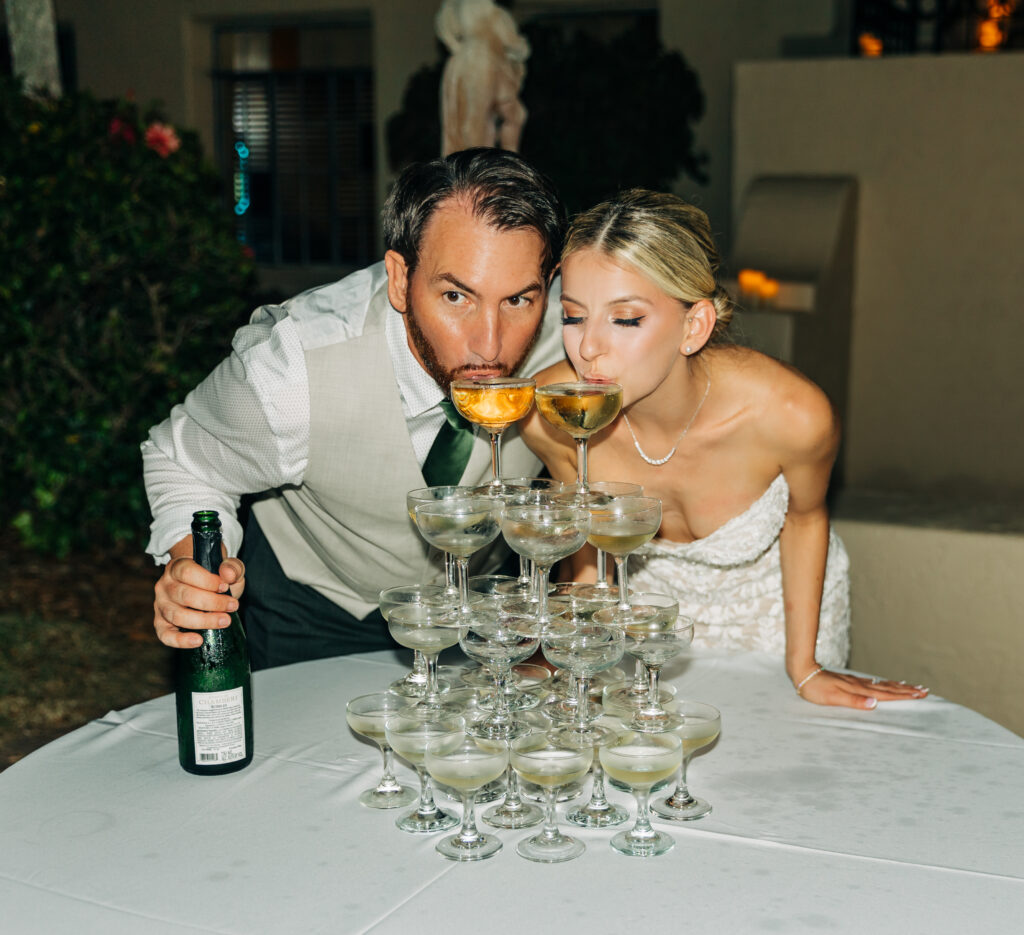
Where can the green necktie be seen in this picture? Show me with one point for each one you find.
(449, 454)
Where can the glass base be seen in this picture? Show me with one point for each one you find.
(520, 701)
(508, 729)
(417, 823)
(698, 809)
(414, 688)
(598, 593)
(524, 816)
(655, 721)
(590, 816)
(623, 701)
(480, 848)
(550, 850)
(388, 798)
(657, 843)
(584, 738)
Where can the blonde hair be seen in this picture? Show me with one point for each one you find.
(663, 237)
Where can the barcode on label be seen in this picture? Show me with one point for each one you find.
(208, 756)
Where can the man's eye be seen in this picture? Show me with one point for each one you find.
(628, 322)
(452, 296)
(571, 320)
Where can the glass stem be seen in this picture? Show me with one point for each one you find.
(653, 706)
(581, 466)
(623, 575)
(462, 564)
(639, 678)
(681, 797)
(550, 832)
(598, 800)
(524, 571)
(388, 782)
(495, 458)
(500, 710)
(468, 833)
(542, 592)
(582, 701)
(431, 695)
(513, 796)
(427, 806)
(449, 575)
(418, 676)
(642, 831)
(602, 569)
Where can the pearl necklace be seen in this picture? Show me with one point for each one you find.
(658, 461)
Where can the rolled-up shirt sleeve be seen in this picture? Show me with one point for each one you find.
(244, 429)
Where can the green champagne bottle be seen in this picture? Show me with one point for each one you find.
(213, 691)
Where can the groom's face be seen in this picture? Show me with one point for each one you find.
(473, 304)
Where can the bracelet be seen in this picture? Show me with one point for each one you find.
(807, 678)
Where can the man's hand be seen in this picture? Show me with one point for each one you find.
(189, 598)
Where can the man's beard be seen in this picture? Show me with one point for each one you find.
(441, 375)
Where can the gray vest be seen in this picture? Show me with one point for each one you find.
(345, 531)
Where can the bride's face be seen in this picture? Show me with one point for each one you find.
(618, 326)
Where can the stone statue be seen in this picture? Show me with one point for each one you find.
(480, 103)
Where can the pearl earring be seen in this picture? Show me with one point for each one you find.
(689, 350)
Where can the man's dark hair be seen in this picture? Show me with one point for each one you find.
(505, 190)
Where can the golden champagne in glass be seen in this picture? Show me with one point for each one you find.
(494, 403)
(581, 409)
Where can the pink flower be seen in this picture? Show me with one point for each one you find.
(121, 130)
(162, 139)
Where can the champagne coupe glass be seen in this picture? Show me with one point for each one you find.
(514, 811)
(467, 763)
(641, 760)
(432, 495)
(433, 595)
(581, 409)
(583, 650)
(409, 735)
(429, 630)
(655, 642)
(648, 613)
(460, 526)
(527, 491)
(499, 644)
(495, 403)
(619, 528)
(545, 534)
(598, 812)
(701, 726)
(549, 762)
(601, 492)
(367, 715)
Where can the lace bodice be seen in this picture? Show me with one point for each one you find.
(730, 582)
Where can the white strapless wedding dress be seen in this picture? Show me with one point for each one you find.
(730, 582)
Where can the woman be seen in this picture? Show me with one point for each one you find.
(737, 446)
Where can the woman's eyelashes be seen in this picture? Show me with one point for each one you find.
(622, 322)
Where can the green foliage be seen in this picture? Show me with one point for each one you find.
(121, 283)
(604, 114)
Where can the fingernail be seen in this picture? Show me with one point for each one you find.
(872, 703)
(232, 605)
(222, 587)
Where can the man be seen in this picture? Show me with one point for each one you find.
(331, 404)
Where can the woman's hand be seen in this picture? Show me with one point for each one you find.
(853, 691)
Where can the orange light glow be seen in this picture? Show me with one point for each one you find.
(750, 280)
(992, 31)
(769, 289)
(870, 45)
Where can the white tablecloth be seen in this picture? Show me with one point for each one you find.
(906, 819)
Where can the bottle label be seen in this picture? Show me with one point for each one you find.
(218, 726)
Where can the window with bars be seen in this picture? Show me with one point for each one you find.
(295, 137)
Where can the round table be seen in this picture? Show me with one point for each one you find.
(907, 818)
